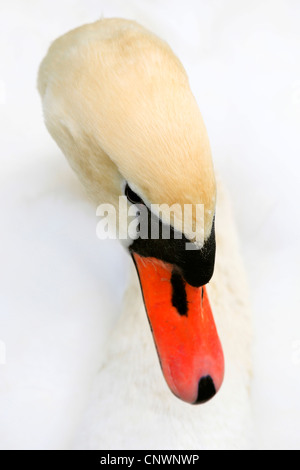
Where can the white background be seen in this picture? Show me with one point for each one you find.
(61, 288)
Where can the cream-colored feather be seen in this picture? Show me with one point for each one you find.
(118, 103)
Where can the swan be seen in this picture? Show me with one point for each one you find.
(118, 103)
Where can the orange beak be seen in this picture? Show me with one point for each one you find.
(183, 329)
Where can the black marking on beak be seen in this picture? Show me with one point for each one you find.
(206, 390)
(179, 297)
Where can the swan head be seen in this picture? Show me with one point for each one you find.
(118, 103)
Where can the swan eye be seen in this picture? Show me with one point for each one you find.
(132, 196)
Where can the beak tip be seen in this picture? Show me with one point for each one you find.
(206, 390)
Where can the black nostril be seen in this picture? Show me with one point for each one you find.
(206, 390)
(179, 297)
